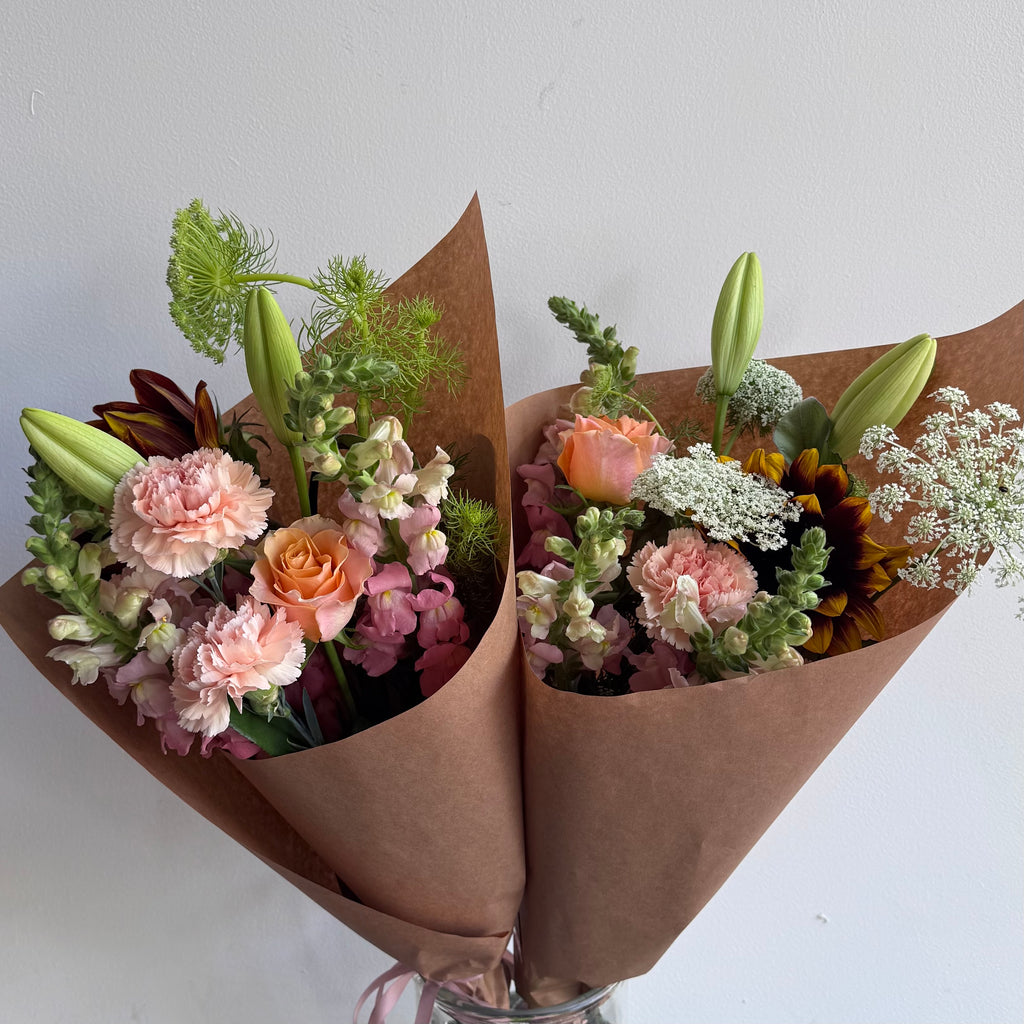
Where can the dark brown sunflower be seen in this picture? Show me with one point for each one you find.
(858, 568)
(163, 420)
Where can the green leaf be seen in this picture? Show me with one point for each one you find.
(806, 425)
(267, 736)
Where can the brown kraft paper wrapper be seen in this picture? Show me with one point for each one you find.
(410, 832)
(639, 807)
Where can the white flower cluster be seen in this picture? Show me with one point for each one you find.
(966, 474)
(728, 503)
(764, 396)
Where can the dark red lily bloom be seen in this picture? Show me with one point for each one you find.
(163, 420)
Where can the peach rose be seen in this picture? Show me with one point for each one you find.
(310, 572)
(601, 457)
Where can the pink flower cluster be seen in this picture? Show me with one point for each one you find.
(197, 658)
(688, 584)
(175, 515)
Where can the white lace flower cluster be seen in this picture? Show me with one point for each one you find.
(764, 396)
(728, 503)
(966, 474)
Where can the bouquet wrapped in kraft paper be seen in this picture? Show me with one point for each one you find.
(409, 832)
(639, 806)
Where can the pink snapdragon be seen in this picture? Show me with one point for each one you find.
(146, 682)
(378, 652)
(427, 545)
(663, 666)
(441, 614)
(175, 515)
(687, 583)
(438, 664)
(389, 601)
(230, 654)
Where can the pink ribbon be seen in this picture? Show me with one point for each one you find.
(393, 982)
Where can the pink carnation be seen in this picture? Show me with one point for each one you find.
(229, 655)
(688, 582)
(174, 515)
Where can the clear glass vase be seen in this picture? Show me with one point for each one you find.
(598, 1006)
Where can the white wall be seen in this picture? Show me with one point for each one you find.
(871, 154)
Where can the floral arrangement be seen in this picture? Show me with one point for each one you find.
(656, 559)
(153, 530)
(719, 569)
(309, 591)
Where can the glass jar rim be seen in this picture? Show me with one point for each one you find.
(453, 1000)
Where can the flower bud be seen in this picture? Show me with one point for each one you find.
(128, 605)
(272, 360)
(629, 359)
(90, 461)
(327, 464)
(71, 627)
(734, 641)
(32, 576)
(882, 394)
(582, 401)
(387, 428)
(57, 577)
(91, 560)
(265, 702)
(560, 547)
(737, 323)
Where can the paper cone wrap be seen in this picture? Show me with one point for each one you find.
(639, 807)
(410, 832)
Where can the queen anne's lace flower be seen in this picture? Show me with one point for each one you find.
(764, 396)
(728, 503)
(966, 472)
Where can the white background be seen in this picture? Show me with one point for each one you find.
(871, 153)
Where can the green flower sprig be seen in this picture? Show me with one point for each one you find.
(70, 573)
(609, 382)
(216, 262)
(594, 562)
(773, 625)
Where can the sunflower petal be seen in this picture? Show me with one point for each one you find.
(831, 484)
(821, 634)
(867, 616)
(833, 604)
(770, 465)
(851, 515)
(803, 472)
(845, 637)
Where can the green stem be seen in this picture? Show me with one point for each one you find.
(301, 482)
(303, 282)
(721, 408)
(642, 409)
(339, 673)
(363, 413)
(732, 440)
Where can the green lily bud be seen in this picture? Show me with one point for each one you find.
(272, 360)
(883, 393)
(88, 460)
(737, 323)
